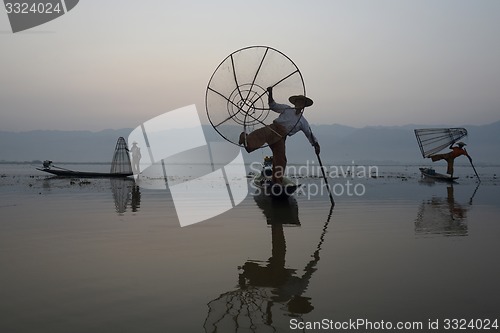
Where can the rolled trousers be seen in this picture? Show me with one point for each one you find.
(274, 135)
(448, 158)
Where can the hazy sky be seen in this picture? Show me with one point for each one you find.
(118, 63)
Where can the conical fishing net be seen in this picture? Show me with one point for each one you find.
(236, 97)
(433, 140)
(121, 158)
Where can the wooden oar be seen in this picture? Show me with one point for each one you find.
(326, 180)
(470, 160)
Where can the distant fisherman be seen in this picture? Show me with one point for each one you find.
(136, 158)
(290, 121)
(450, 157)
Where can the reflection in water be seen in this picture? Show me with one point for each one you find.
(136, 198)
(266, 288)
(125, 191)
(279, 211)
(443, 216)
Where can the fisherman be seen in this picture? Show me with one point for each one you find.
(290, 120)
(455, 152)
(136, 157)
(47, 164)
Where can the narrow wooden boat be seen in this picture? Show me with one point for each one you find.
(83, 174)
(431, 173)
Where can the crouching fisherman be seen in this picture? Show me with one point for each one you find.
(289, 122)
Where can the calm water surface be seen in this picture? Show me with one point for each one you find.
(110, 256)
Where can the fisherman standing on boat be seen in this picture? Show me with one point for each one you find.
(290, 120)
(455, 152)
(136, 158)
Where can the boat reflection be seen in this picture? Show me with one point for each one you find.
(443, 215)
(126, 193)
(279, 211)
(268, 292)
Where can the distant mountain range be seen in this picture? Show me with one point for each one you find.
(339, 145)
(395, 144)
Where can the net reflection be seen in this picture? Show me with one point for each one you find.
(268, 292)
(443, 215)
(125, 193)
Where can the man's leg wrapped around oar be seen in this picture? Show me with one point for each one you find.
(274, 135)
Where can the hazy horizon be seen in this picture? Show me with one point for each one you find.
(339, 143)
(416, 125)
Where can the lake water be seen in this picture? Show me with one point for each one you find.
(110, 256)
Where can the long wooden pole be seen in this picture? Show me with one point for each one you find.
(470, 160)
(326, 180)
